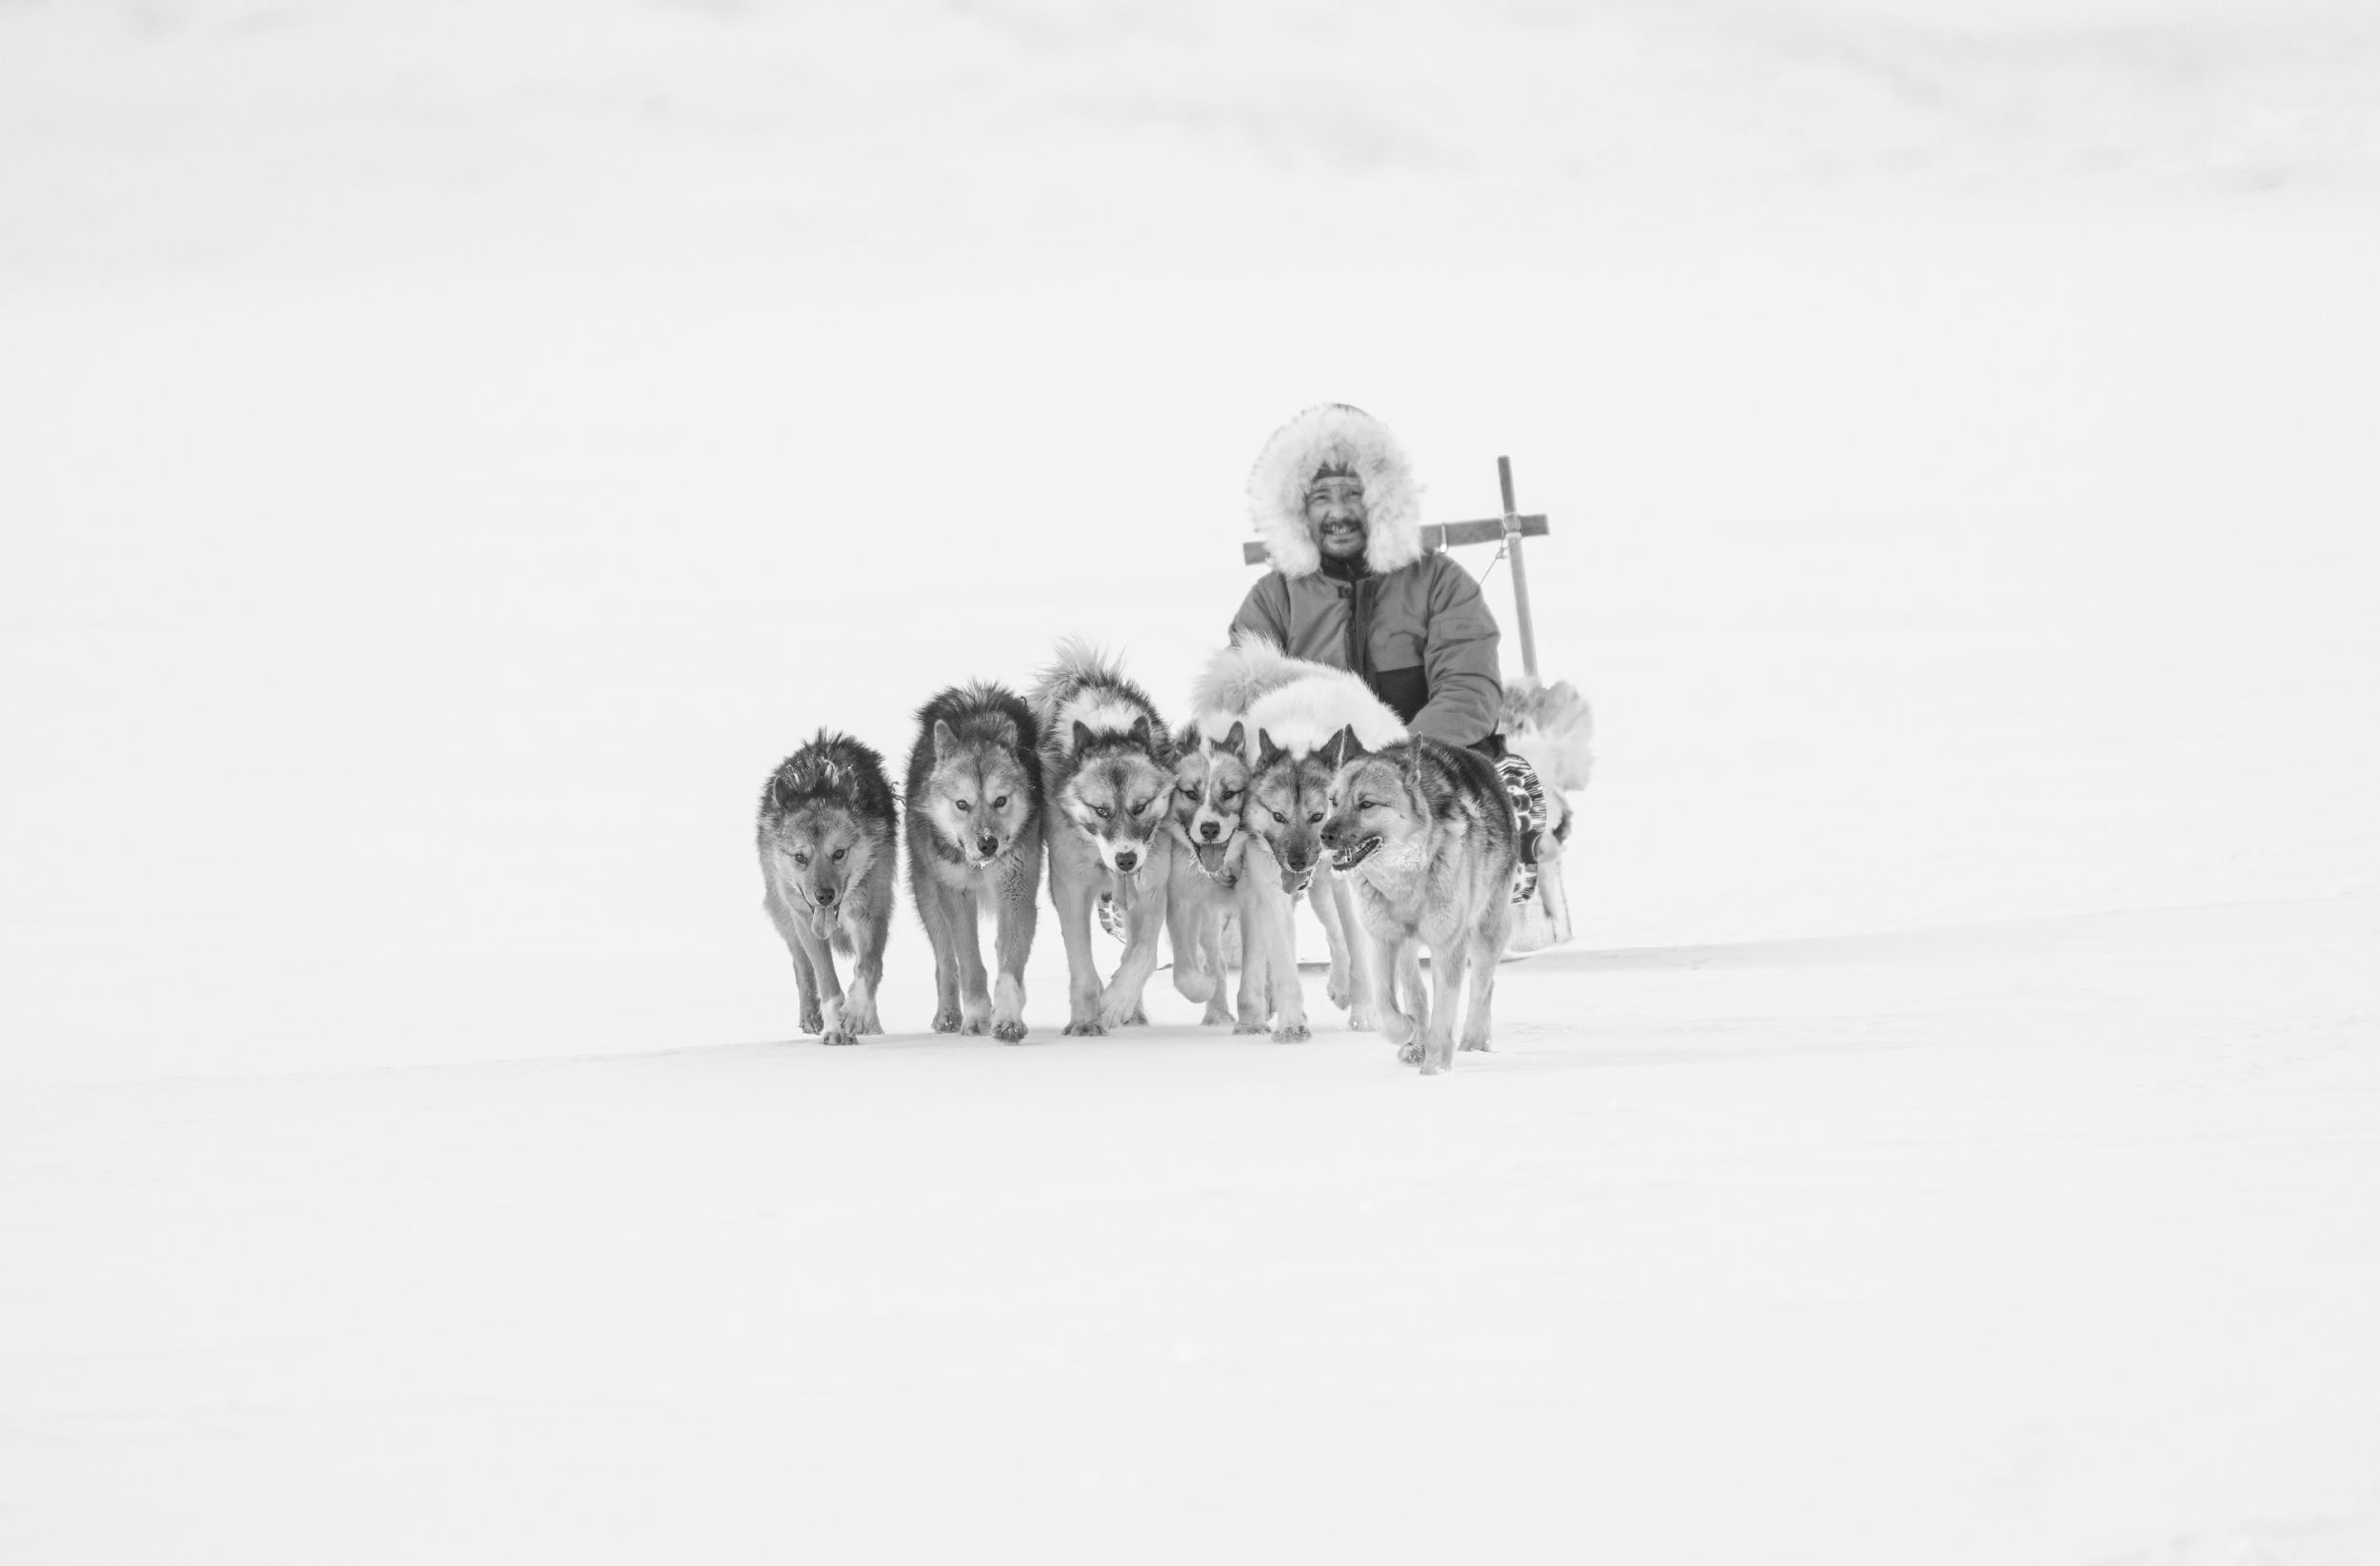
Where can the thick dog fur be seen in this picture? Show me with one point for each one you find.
(825, 838)
(1424, 832)
(1214, 877)
(1554, 728)
(1108, 761)
(1287, 729)
(973, 814)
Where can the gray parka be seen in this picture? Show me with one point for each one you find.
(1413, 623)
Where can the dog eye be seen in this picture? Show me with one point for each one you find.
(801, 860)
(1001, 804)
(1103, 811)
(963, 806)
(1367, 805)
(1228, 794)
(1317, 816)
(1140, 809)
(1278, 816)
(1188, 792)
(840, 852)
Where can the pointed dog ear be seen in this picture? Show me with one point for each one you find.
(1238, 739)
(945, 739)
(1346, 747)
(1265, 749)
(1082, 736)
(1138, 734)
(781, 792)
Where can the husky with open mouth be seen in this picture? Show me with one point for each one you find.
(1424, 834)
(1108, 763)
(1286, 730)
(825, 836)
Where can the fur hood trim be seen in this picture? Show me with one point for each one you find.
(1333, 433)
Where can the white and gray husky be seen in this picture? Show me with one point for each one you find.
(825, 838)
(1107, 762)
(974, 811)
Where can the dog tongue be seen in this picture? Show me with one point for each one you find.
(1211, 854)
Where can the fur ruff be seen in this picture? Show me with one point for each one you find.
(1310, 711)
(1335, 434)
(1554, 728)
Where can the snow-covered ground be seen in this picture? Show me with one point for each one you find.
(452, 452)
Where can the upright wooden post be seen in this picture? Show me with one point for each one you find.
(1520, 573)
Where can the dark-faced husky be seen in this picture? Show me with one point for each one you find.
(1108, 763)
(826, 824)
(974, 811)
(1424, 832)
(1214, 879)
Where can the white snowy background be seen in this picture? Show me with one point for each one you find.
(450, 452)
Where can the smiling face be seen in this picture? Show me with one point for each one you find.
(1117, 798)
(1335, 513)
(822, 853)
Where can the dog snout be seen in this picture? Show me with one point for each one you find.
(987, 844)
(1126, 860)
(1210, 830)
(825, 896)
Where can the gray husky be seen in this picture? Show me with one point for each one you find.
(826, 858)
(975, 847)
(1425, 833)
(1108, 763)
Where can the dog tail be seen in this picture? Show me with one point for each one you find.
(1078, 662)
(1234, 678)
(1554, 728)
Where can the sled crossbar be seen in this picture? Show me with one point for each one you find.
(1438, 535)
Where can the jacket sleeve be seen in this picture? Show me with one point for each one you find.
(1265, 610)
(1460, 652)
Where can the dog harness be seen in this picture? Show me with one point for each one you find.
(1528, 797)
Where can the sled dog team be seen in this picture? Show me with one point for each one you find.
(1291, 778)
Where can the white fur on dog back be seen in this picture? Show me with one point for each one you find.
(1311, 710)
(1080, 686)
(1335, 434)
(1234, 678)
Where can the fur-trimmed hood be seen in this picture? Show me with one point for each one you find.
(1335, 434)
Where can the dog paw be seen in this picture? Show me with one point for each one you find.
(1431, 1069)
(1194, 984)
(972, 1027)
(946, 1020)
(1085, 1030)
(1215, 1018)
(1343, 993)
(1361, 1020)
(840, 1036)
(1251, 1027)
(812, 1021)
(1292, 1033)
(1479, 1044)
(1009, 1030)
(1410, 1053)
